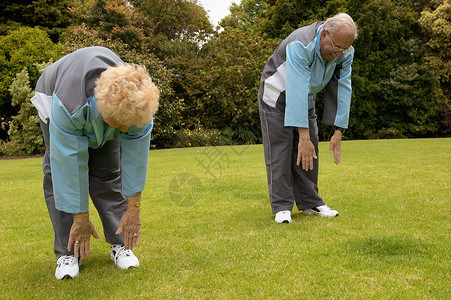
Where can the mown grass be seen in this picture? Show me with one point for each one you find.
(208, 231)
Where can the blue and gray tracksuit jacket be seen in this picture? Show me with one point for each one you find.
(65, 95)
(296, 72)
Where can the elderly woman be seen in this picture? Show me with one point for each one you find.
(96, 116)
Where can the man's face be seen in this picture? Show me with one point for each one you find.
(333, 45)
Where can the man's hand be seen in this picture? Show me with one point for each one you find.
(335, 146)
(131, 223)
(80, 235)
(306, 150)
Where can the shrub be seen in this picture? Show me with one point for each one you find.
(168, 117)
(24, 131)
(200, 137)
(20, 49)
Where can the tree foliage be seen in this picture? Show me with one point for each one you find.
(175, 19)
(24, 131)
(22, 48)
(219, 86)
(435, 22)
(115, 18)
(209, 78)
(389, 58)
(52, 16)
(391, 81)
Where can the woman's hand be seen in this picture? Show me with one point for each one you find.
(130, 223)
(80, 235)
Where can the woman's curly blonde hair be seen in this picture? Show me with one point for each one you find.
(126, 95)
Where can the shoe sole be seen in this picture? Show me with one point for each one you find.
(284, 222)
(310, 213)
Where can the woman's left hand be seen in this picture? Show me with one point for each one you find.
(130, 225)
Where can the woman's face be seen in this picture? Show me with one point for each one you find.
(112, 124)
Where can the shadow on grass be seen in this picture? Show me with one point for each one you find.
(388, 246)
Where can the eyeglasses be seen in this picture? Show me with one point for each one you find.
(336, 49)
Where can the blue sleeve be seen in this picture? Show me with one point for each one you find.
(135, 145)
(344, 93)
(297, 85)
(69, 159)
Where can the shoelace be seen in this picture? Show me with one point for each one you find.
(66, 260)
(121, 251)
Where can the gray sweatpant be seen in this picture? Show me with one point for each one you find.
(105, 189)
(287, 182)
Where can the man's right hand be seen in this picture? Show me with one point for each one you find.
(80, 235)
(306, 150)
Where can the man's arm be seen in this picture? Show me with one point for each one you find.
(299, 58)
(297, 86)
(344, 92)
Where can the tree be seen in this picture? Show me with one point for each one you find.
(22, 48)
(220, 86)
(175, 19)
(435, 22)
(244, 16)
(389, 59)
(114, 17)
(24, 131)
(113, 20)
(52, 16)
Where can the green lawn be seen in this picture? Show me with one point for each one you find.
(208, 231)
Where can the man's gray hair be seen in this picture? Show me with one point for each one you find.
(339, 20)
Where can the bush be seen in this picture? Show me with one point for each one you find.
(24, 131)
(20, 49)
(385, 133)
(219, 84)
(201, 137)
(168, 119)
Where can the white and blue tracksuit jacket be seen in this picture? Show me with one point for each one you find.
(65, 97)
(296, 72)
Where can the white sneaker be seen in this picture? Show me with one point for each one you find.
(67, 267)
(322, 211)
(283, 216)
(123, 257)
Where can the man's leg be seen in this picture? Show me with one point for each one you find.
(105, 188)
(61, 221)
(277, 143)
(305, 183)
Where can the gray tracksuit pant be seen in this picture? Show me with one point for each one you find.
(287, 182)
(105, 189)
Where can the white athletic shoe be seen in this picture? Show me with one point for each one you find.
(283, 216)
(123, 257)
(322, 211)
(67, 267)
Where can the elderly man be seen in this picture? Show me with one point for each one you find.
(312, 58)
(96, 116)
